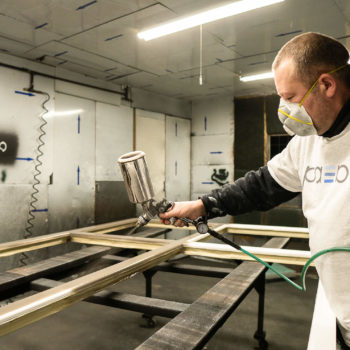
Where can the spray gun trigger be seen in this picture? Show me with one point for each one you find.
(185, 220)
(172, 220)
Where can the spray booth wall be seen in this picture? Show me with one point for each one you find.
(256, 124)
(212, 145)
(80, 181)
(230, 138)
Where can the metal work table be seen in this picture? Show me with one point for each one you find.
(192, 324)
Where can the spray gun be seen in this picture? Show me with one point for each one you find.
(140, 191)
(139, 187)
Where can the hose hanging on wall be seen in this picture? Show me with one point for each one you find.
(33, 197)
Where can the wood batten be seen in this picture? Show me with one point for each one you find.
(26, 245)
(110, 226)
(120, 241)
(36, 307)
(262, 230)
(223, 251)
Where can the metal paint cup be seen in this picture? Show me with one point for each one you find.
(136, 177)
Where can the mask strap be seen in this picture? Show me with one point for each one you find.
(313, 85)
(291, 117)
(308, 92)
(339, 68)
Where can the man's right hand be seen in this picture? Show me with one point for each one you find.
(190, 209)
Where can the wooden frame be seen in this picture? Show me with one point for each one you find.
(40, 305)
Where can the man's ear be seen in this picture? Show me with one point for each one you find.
(328, 84)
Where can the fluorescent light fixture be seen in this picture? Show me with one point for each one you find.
(267, 75)
(204, 17)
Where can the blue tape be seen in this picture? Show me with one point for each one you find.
(24, 93)
(27, 159)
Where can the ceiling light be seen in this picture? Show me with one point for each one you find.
(204, 17)
(267, 75)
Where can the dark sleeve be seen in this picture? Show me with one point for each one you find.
(257, 190)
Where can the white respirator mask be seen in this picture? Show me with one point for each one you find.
(295, 119)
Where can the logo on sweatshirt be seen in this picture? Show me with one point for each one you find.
(326, 174)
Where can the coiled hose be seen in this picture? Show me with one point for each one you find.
(33, 197)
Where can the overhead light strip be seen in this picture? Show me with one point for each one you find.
(204, 17)
(267, 75)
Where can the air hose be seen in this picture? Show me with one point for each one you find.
(34, 199)
(302, 285)
(37, 173)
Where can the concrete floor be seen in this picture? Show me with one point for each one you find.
(288, 314)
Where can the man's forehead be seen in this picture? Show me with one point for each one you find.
(286, 80)
(285, 71)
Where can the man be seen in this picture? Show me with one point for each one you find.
(312, 77)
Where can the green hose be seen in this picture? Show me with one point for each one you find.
(305, 268)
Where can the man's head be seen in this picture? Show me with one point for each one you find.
(310, 58)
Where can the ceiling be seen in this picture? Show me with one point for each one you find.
(98, 39)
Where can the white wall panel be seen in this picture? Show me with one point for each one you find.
(13, 216)
(114, 137)
(159, 103)
(87, 92)
(150, 138)
(71, 197)
(212, 116)
(212, 144)
(212, 149)
(178, 158)
(13, 211)
(14, 208)
(20, 116)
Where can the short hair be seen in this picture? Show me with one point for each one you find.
(313, 55)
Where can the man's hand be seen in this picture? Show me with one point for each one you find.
(191, 210)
